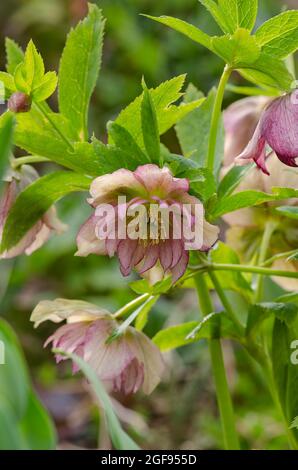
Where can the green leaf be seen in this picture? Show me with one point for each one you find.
(185, 28)
(6, 133)
(8, 82)
(35, 200)
(268, 71)
(260, 312)
(120, 438)
(36, 427)
(150, 127)
(193, 130)
(124, 141)
(29, 73)
(168, 114)
(217, 14)
(249, 198)
(143, 314)
(144, 287)
(232, 179)
(79, 67)
(294, 424)
(14, 55)
(46, 87)
(279, 35)
(239, 49)
(239, 13)
(288, 211)
(214, 326)
(285, 371)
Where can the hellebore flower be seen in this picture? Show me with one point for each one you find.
(40, 232)
(240, 121)
(147, 186)
(127, 363)
(277, 128)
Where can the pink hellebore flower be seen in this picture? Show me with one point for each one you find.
(240, 121)
(147, 185)
(128, 363)
(17, 181)
(277, 128)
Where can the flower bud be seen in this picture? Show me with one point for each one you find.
(19, 103)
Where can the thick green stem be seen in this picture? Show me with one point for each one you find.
(216, 117)
(268, 232)
(222, 390)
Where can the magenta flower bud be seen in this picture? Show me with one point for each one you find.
(127, 363)
(147, 186)
(19, 103)
(40, 232)
(278, 129)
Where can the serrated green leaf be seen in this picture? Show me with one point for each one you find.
(14, 55)
(150, 127)
(8, 82)
(79, 68)
(46, 87)
(268, 71)
(193, 130)
(237, 50)
(124, 140)
(214, 326)
(29, 73)
(239, 13)
(185, 28)
(288, 211)
(6, 133)
(35, 200)
(279, 35)
(216, 12)
(168, 114)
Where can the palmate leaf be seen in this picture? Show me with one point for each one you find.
(167, 113)
(35, 200)
(79, 68)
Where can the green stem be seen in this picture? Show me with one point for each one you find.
(56, 129)
(242, 269)
(27, 160)
(131, 305)
(268, 232)
(216, 116)
(222, 390)
(225, 302)
(271, 260)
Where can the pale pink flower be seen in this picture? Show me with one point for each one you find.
(277, 128)
(127, 363)
(147, 185)
(17, 181)
(240, 121)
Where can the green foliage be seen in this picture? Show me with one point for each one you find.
(14, 55)
(237, 49)
(35, 200)
(288, 211)
(30, 76)
(233, 14)
(232, 179)
(215, 325)
(260, 312)
(150, 127)
(25, 421)
(79, 68)
(193, 130)
(278, 36)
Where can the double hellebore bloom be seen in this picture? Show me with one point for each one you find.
(277, 128)
(17, 181)
(145, 241)
(128, 363)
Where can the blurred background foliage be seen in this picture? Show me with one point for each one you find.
(182, 412)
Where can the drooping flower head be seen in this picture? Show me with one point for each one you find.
(240, 121)
(128, 363)
(147, 186)
(278, 129)
(17, 181)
